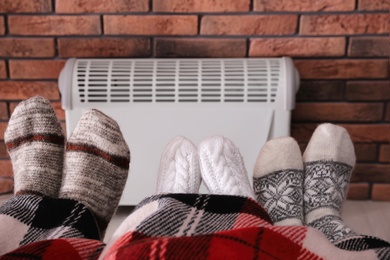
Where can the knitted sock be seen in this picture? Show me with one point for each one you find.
(222, 167)
(35, 142)
(96, 165)
(179, 168)
(278, 181)
(329, 159)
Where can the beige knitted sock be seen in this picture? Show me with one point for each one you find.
(278, 181)
(179, 168)
(329, 160)
(222, 167)
(96, 165)
(35, 142)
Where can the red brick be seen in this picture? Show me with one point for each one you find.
(297, 47)
(200, 48)
(303, 5)
(343, 69)
(387, 116)
(374, 5)
(3, 126)
(104, 47)
(184, 6)
(366, 152)
(101, 6)
(384, 153)
(337, 112)
(3, 70)
(3, 151)
(359, 132)
(6, 185)
(27, 47)
(3, 111)
(35, 69)
(368, 172)
(320, 91)
(358, 191)
(249, 24)
(368, 90)
(344, 24)
(23, 6)
(151, 24)
(55, 104)
(369, 47)
(381, 192)
(54, 25)
(2, 25)
(20, 90)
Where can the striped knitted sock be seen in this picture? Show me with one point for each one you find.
(222, 168)
(35, 142)
(179, 168)
(278, 181)
(329, 159)
(96, 165)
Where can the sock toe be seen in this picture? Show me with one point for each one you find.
(278, 154)
(330, 143)
(179, 168)
(222, 167)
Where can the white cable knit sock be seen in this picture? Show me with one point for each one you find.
(179, 168)
(222, 167)
(329, 159)
(278, 181)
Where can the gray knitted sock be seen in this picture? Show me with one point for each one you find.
(179, 168)
(329, 159)
(35, 142)
(96, 165)
(278, 181)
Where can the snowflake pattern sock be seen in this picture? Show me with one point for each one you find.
(96, 165)
(179, 168)
(328, 159)
(278, 181)
(35, 142)
(222, 167)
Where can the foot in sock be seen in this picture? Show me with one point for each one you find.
(278, 181)
(328, 160)
(96, 165)
(179, 168)
(35, 142)
(222, 168)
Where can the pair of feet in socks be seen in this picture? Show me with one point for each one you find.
(92, 169)
(308, 190)
(217, 161)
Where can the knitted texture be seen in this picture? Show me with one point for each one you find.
(279, 188)
(179, 168)
(96, 165)
(222, 167)
(35, 142)
(327, 176)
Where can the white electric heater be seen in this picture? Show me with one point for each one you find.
(248, 101)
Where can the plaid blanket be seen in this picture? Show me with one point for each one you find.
(193, 226)
(25, 219)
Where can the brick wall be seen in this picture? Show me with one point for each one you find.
(339, 46)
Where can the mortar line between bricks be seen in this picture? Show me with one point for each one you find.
(243, 13)
(6, 27)
(216, 36)
(53, 6)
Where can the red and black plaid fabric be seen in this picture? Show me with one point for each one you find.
(193, 226)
